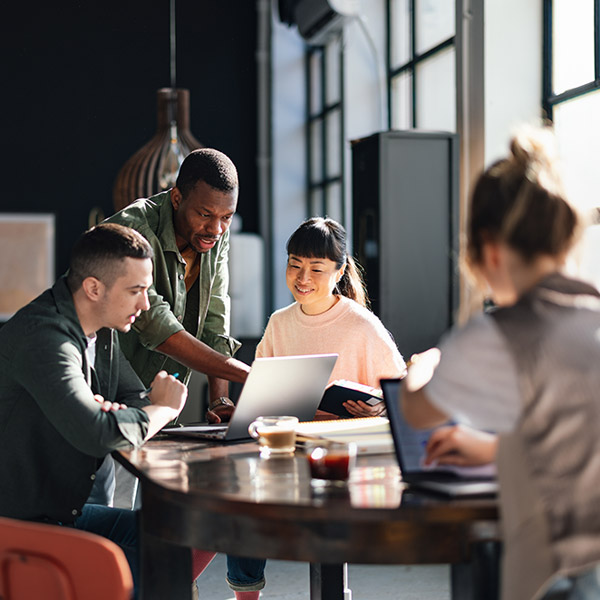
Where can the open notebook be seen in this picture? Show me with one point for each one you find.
(410, 444)
(282, 385)
(371, 434)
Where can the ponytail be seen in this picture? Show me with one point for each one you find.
(351, 284)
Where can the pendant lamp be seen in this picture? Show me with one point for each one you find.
(154, 167)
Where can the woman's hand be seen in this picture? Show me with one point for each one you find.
(362, 409)
(461, 445)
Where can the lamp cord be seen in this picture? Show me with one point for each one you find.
(172, 41)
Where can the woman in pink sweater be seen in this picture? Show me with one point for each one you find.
(330, 313)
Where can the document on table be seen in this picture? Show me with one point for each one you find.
(371, 434)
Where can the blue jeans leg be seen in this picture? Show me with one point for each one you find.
(585, 586)
(245, 574)
(118, 525)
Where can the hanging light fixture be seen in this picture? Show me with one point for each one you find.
(154, 167)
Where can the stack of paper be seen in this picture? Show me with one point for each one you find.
(371, 434)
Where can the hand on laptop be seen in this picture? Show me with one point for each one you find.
(461, 445)
(220, 414)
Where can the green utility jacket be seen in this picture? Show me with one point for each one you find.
(53, 433)
(203, 311)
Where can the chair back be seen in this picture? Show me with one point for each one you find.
(60, 563)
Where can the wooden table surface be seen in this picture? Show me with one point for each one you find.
(228, 499)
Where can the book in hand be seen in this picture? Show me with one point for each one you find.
(342, 390)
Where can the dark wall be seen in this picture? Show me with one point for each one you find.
(79, 98)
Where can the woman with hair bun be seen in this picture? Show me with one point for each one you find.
(528, 370)
(330, 313)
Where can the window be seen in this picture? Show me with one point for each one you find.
(325, 130)
(421, 64)
(572, 103)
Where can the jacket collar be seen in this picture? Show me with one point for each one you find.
(64, 303)
(166, 227)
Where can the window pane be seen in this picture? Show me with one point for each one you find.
(332, 69)
(399, 32)
(334, 201)
(577, 127)
(402, 101)
(572, 44)
(436, 92)
(316, 203)
(316, 102)
(334, 148)
(316, 159)
(434, 23)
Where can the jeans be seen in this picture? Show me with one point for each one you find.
(245, 574)
(585, 586)
(118, 525)
(121, 527)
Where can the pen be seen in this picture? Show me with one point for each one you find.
(147, 392)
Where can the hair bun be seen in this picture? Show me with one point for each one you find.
(534, 154)
(531, 146)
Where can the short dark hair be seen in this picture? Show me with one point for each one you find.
(208, 165)
(100, 250)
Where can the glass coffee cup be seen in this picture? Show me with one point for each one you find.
(275, 435)
(330, 463)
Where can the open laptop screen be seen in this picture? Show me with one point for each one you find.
(410, 443)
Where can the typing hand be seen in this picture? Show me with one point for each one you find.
(362, 409)
(108, 406)
(461, 445)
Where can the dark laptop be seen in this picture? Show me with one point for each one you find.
(282, 385)
(409, 444)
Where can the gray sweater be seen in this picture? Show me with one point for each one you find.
(549, 467)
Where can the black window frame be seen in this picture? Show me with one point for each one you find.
(414, 61)
(549, 98)
(325, 109)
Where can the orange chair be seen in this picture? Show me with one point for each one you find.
(60, 563)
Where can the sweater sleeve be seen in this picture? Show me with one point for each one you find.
(383, 357)
(476, 379)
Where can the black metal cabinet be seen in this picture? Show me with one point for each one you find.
(405, 228)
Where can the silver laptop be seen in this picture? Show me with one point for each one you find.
(283, 385)
(410, 443)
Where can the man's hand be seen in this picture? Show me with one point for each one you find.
(168, 391)
(461, 445)
(220, 414)
(167, 400)
(107, 405)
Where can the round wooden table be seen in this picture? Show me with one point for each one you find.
(227, 499)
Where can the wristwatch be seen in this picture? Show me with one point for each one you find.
(221, 400)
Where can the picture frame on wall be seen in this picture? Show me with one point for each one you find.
(27, 259)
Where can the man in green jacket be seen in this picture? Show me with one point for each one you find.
(68, 397)
(187, 324)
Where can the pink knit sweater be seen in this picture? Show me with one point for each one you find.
(366, 350)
